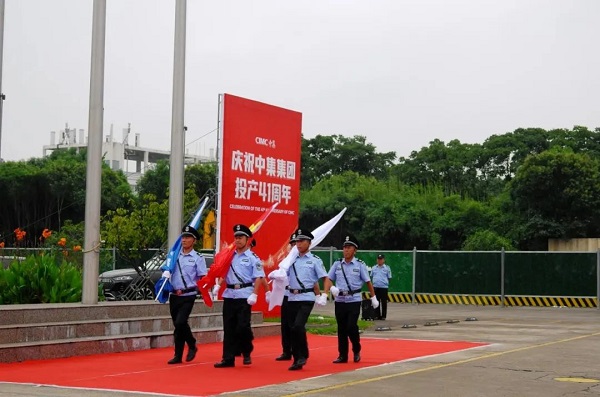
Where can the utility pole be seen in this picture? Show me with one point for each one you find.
(2, 96)
(91, 255)
(177, 127)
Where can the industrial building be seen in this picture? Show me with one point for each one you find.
(132, 159)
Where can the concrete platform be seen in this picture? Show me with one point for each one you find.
(33, 332)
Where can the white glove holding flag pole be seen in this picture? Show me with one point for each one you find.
(279, 280)
(252, 299)
(319, 234)
(374, 302)
(268, 296)
(215, 291)
(321, 300)
(334, 291)
(166, 274)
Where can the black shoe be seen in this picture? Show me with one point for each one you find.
(296, 367)
(284, 357)
(340, 360)
(174, 360)
(356, 357)
(224, 364)
(191, 353)
(247, 360)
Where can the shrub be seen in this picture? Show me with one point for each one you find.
(40, 279)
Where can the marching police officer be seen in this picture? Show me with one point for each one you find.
(244, 279)
(286, 343)
(190, 267)
(304, 275)
(349, 275)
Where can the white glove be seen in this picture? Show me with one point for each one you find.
(268, 296)
(215, 291)
(277, 274)
(166, 274)
(252, 299)
(334, 291)
(321, 300)
(374, 302)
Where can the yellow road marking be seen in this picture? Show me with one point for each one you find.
(433, 367)
(577, 380)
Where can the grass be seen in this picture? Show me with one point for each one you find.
(323, 325)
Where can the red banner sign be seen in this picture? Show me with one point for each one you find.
(259, 165)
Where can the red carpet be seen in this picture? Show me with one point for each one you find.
(147, 370)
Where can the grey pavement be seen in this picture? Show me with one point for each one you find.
(532, 352)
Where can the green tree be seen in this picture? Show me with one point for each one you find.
(43, 193)
(155, 181)
(201, 177)
(323, 156)
(142, 225)
(557, 194)
(487, 240)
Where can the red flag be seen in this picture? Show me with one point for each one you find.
(222, 262)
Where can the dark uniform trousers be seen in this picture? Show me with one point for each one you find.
(382, 297)
(286, 339)
(298, 313)
(346, 316)
(180, 308)
(237, 331)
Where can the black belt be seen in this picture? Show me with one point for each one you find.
(299, 291)
(184, 291)
(238, 286)
(351, 292)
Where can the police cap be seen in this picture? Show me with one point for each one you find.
(190, 231)
(350, 240)
(380, 256)
(304, 234)
(242, 230)
(293, 238)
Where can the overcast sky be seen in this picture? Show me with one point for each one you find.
(402, 73)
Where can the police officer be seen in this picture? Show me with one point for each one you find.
(244, 279)
(190, 267)
(286, 343)
(349, 275)
(381, 275)
(304, 275)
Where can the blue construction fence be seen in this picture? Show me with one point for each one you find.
(503, 278)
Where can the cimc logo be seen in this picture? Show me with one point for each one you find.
(265, 142)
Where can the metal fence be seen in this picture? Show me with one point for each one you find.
(507, 278)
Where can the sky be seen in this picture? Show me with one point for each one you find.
(401, 73)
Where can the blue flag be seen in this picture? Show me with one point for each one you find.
(163, 287)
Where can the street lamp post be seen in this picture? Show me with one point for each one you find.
(2, 98)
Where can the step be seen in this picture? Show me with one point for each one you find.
(58, 312)
(20, 333)
(51, 349)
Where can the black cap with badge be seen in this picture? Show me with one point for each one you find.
(350, 240)
(242, 230)
(380, 256)
(190, 231)
(304, 234)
